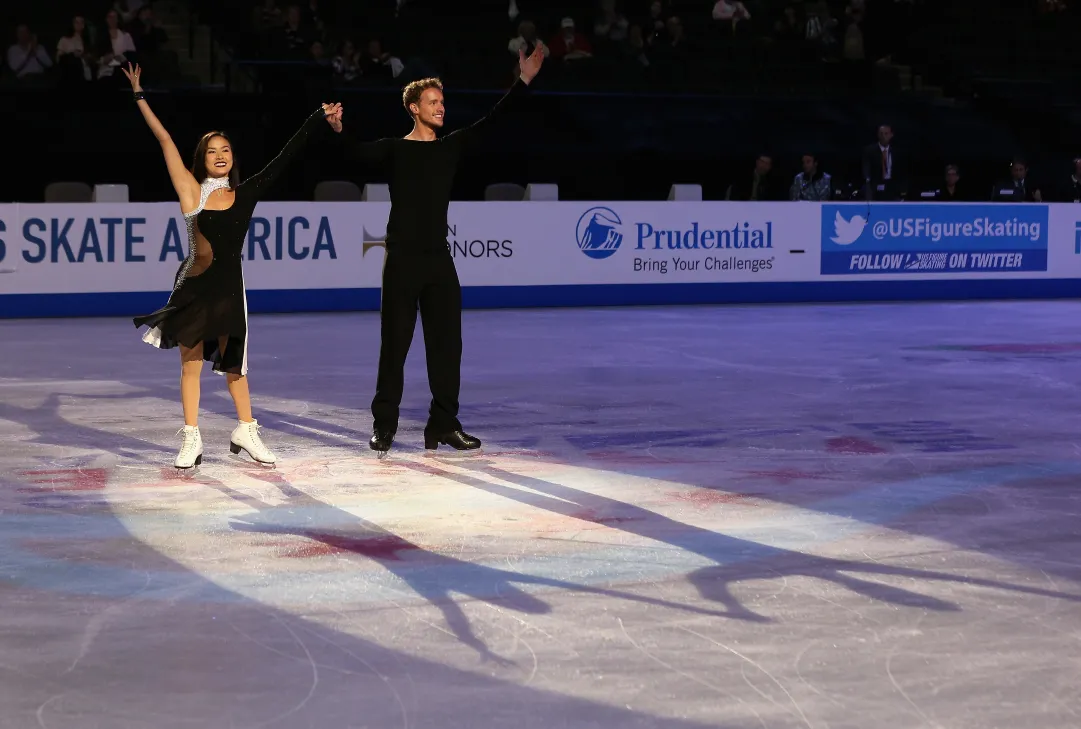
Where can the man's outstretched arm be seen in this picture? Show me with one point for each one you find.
(529, 67)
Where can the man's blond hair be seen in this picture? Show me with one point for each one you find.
(411, 93)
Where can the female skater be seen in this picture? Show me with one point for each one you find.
(207, 313)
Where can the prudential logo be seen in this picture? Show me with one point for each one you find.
(846, 232)
(598, 232)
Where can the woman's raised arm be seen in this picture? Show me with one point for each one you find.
(187, 189)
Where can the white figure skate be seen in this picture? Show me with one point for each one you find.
(191, 450)
(245, 437)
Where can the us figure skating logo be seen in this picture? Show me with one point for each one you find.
(846, 232)
(598, 232)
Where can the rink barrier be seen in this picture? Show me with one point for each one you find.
(120, 259)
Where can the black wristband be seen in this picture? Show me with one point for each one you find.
(139, 96)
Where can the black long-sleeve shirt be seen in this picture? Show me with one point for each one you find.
(421, 177)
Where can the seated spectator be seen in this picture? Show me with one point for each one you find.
(611, 25)
(1019, 188)
(117, 47)
(313, 17)
(950, 189)
(347, 64)
(297, 37)
(789, 29)
(1071, 190)
(128, 10)
(811, 185)
(672, 55)
(656, 25)
(148, 37)
(26, 58)
(732, 15)
(527, 40)
(636, 48)
(74, 52)
(268, 16)
(819, 30)
(570, 45)
(759, 186)
(379, 64)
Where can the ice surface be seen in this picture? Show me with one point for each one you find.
(738, 517)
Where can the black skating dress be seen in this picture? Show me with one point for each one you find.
(211, 306)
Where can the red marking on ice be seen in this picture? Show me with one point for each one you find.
(705, 498)
(785, 475)
(72, 479)
(322, 545)
(850, 444)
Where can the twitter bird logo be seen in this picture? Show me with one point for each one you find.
(845, 232)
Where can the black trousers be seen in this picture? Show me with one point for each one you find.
(430, 283)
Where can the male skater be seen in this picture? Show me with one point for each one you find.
(418, 269)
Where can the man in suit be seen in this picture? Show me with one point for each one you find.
(760, 186)
(883, 171)
(1019, 188)
(1070, 191)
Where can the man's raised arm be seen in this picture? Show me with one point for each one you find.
(528, 67)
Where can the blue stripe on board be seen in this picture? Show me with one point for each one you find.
(496, 297)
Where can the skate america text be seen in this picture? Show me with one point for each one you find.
(710, 263)
(110, 240)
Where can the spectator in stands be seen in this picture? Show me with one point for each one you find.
(672, 55)
(25, 57)
(853, 50)
(298, 39)
(74, 52)
(656, 26)
(811, 184)
(732, 16)
(611, 25)
(1071, 189)
(951, 190)
(527, 40)
(759, 186)
(379, 64)
(117, 47)
(570, 45)
(313, 17)
(788, 30)
(883, 170)
(819, 30)
(636, 48)
(1019, 188)
(128, 10)
(148, 37)
(268, 16)
(347, 63)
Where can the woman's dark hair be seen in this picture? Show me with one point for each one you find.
(198, 163)
(71, 29)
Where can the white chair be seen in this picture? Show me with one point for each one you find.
(504, 192)
(111, 194)
(541, 192)
(376, 193)
(68, 192)
(337, 191)
(685, 193)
